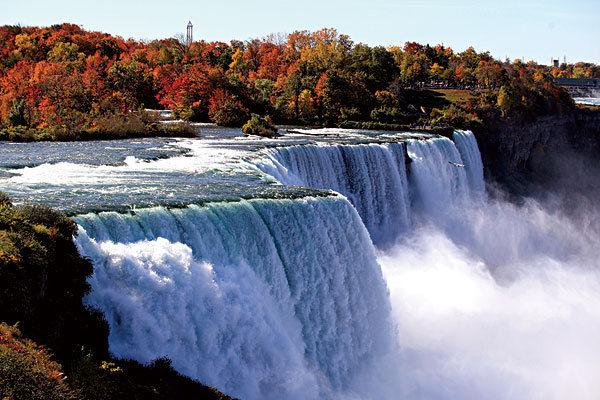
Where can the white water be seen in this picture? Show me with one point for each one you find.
(372, 177)
(438, 185)
(469, 152)
(588, 101)
(284, 298)
(505, 306)
(262, 299)
(491, 300)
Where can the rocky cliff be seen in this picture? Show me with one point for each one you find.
(517, 154)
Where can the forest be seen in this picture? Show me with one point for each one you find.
(64, 83)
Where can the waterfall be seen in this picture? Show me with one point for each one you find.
(438, 176)
(443, 174)
(259, 298)
(371, 176)
(469, 151)
(274, 298)
(285, 299)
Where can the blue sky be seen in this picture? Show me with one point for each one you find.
(531, 29)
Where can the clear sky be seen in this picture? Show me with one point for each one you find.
(533, 29)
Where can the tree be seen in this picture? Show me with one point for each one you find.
(506, 100)
(134, 81)
(225, 110)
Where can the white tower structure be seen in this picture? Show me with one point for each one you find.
(189, 37)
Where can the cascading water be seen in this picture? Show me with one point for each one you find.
(492, 300)
(438, 176)
(260, 298)
(469, 151)
(285, 298)
(371, 176)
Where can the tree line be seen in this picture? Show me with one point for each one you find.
(63, 78)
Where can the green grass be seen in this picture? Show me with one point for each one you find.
(454, 95)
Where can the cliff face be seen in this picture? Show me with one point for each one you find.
(518, 154)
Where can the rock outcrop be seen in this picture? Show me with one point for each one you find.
(517, 154)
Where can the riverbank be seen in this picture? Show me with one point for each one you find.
(131, 125)
(52, 346)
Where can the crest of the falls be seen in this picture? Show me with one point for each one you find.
(371, 176)
(260, 298)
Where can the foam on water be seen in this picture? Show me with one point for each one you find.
(588, 101)
(506, 305)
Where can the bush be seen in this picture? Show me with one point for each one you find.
(174, 129)
(43, 280)
(28, 372)
(124, 379)
(260, 126)
(118, 125)
(456, 117)
(121, 125)
(391, 115)
(226, 110)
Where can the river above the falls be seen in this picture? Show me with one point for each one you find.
(119, 175)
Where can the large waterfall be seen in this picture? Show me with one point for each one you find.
(261, 298)
(270, 298)
(466, 296)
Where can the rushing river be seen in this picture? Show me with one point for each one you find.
(327, 264)
(588, 101)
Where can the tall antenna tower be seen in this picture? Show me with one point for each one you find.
(189, 37)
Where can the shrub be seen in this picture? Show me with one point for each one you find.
(226, 110)
(28, 372)
(103, 127)
(43, 280)
(125, 379)
(260, 126)
(121, 125)
(455, 116)
(349, 113)
(391, 115)
(185, 113)
(174, 129)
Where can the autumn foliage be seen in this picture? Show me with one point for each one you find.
(62, 78)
